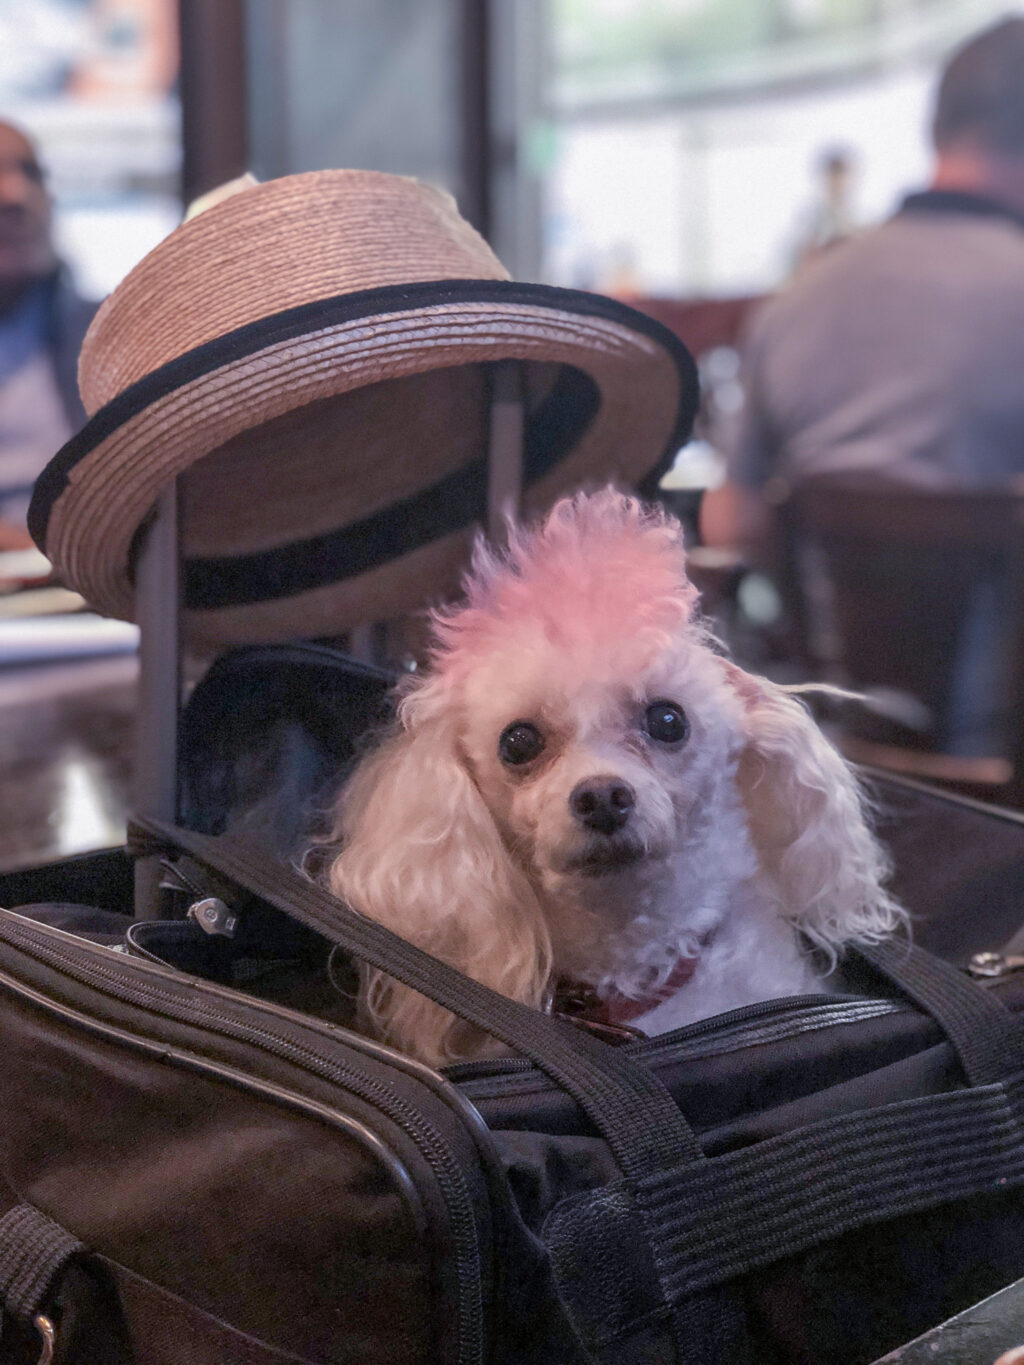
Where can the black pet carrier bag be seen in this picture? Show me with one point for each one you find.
(204, 1162)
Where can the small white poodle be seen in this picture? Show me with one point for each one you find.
(583, 794)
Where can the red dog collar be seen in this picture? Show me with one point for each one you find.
(613, 1010)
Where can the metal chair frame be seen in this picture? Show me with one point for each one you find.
(158, 613)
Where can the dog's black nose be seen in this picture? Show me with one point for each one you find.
(602, 803)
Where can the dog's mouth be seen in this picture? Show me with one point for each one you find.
(599, 860)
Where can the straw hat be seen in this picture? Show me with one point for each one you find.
(314, 354)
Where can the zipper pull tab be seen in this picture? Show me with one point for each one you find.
(214, 917)
(995, 964)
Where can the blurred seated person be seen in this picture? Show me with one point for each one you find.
(42, 323)
(900, 352)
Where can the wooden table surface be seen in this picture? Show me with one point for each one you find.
(66, 743)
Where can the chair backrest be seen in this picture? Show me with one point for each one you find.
(883, 582)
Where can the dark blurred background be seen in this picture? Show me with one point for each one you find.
(670, 148)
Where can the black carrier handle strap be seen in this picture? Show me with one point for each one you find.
(34, 1250)
(624, 1100)
(756, 1205)
(987, 1037)
(56, 1295)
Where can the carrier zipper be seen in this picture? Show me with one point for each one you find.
(828, 1012)
(439, 1157)
(728, 1029)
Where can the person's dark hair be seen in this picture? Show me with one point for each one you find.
(981, 92)
(831, 159)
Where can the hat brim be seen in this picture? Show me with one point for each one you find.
(269, 554)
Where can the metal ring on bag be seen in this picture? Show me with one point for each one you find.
(45, 1328)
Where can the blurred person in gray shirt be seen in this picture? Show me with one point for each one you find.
(900, 351)
(42, 323)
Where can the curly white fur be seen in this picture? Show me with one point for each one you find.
(749, 830)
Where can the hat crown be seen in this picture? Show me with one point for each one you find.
(276, 246)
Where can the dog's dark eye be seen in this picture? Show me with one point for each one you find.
(520, 742)
(666, 722)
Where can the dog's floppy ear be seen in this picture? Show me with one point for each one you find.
(808, 822)
(421, 854)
